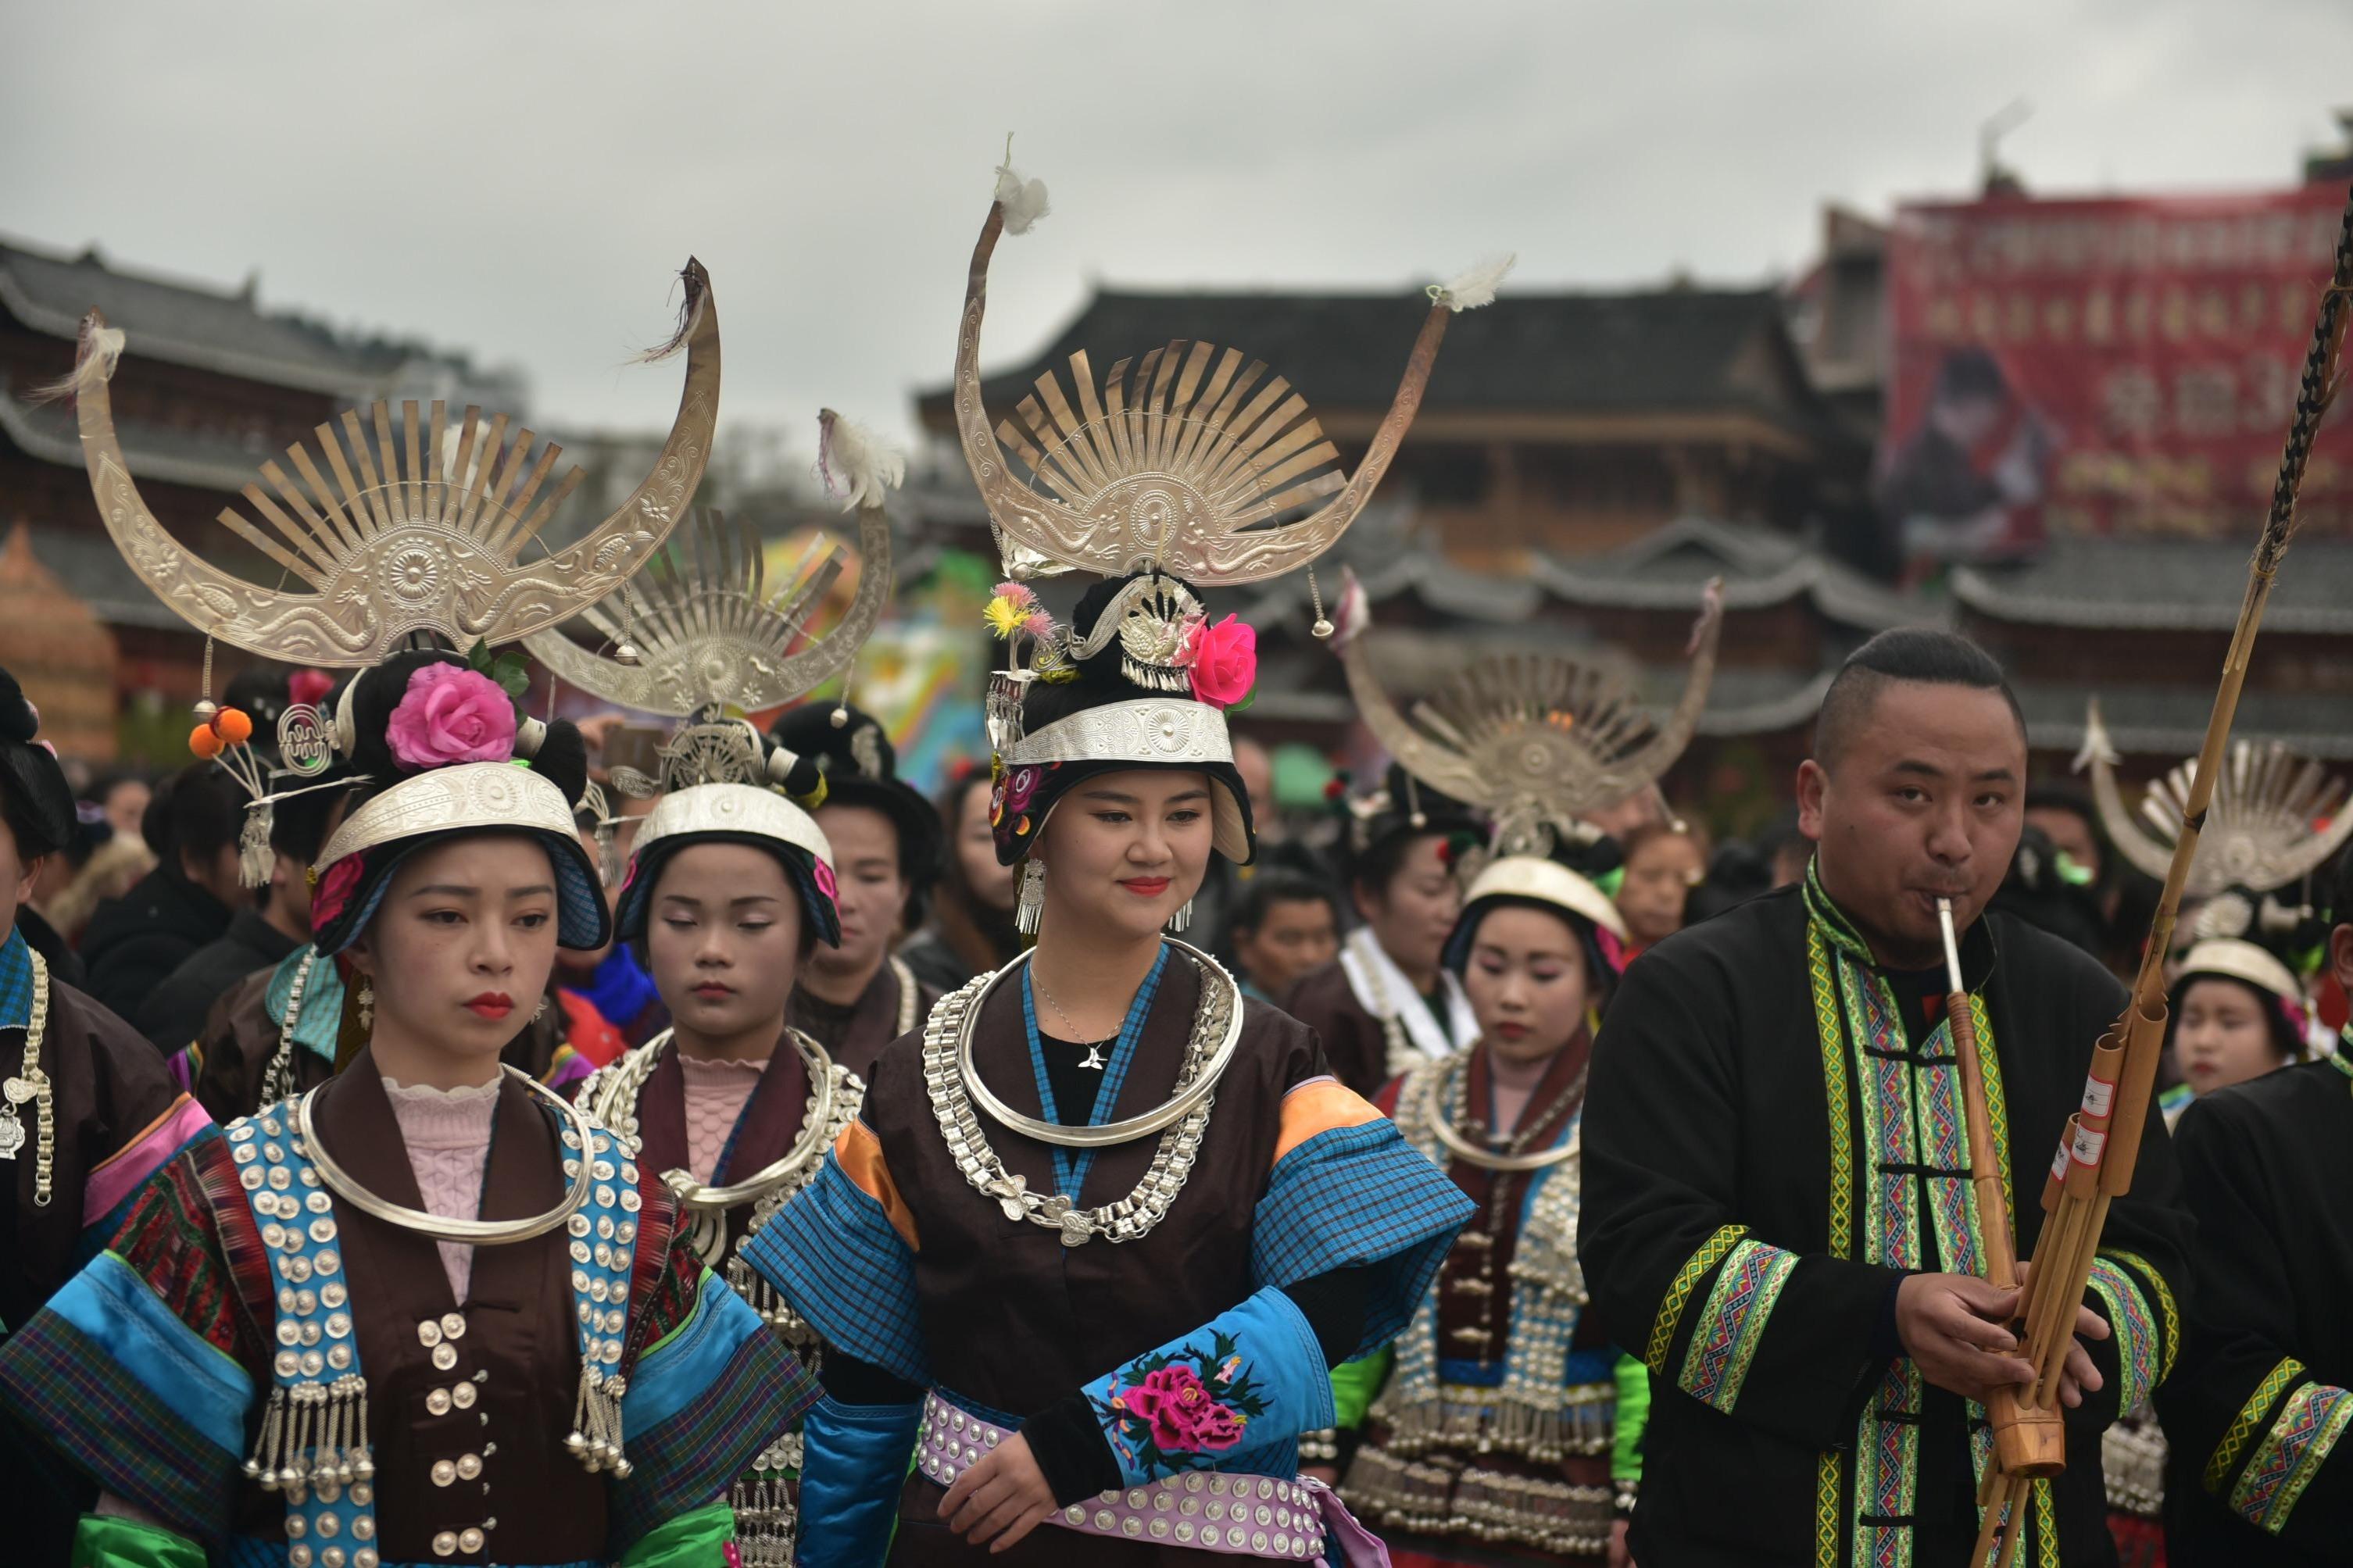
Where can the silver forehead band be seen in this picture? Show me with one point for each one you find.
(1549, 882)
(1145, 729)
(733, 808)
(468, 794)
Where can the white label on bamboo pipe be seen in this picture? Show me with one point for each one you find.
(2099, 1094)
(2059, 1163)
(2088, 1144)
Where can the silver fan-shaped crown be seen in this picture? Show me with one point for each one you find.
(398, 525)
(2259, 830)
(708, 632)
(1535, 740)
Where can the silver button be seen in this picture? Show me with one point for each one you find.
(470, 1540)
(438, 1402)
(469, 1467)
(444, 1472)
(453, 1325)
(462, 1396)
(446, 1544)
(428, 1333)
(445, 1356)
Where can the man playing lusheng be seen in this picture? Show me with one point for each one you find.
(1777, 1194)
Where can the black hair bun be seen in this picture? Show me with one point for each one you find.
(562, 759)
(18, 722)
(805, 776)
(1592, 860)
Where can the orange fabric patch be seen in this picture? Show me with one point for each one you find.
(1320, 1106)
(861, 1153)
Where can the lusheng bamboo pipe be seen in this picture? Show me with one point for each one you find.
(2065, 1266)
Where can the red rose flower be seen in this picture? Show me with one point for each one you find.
(1223, 659)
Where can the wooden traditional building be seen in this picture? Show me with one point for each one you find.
(1554, 424)
(210, 386)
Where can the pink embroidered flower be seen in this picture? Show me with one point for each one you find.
(1219, 1429)
(826, 884)
(1020, 788)
(1223, 659)
(309, 686)
(334, 890)
(1175, 1404)
(451, 714)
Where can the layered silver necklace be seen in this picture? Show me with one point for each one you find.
(959, 1098)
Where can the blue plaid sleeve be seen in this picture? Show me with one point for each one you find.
(834, 1258)
(1358, 1197)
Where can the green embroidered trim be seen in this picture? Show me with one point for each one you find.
(1687, 1278)
(1997, 1109)
(2166, 1308)
(1834, 1092)
(2250, 1418)
(1826, 1510)
(1732, 1324)
(2046, 1526)
(2314, 1417)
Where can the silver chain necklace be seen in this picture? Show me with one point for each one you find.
(1094, 1048)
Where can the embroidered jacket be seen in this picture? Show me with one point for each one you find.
(117, 1117)
(2256, 1414)
(153, 1371)
(1773, 1139)
(1182, 1343)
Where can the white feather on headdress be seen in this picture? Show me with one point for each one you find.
(857, 466)
(97, 351)
(1024, 201)
(1469, 290)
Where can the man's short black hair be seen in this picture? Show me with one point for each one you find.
(1268, 889)
(1920, 654)
(2338, 885)
(1968, 373)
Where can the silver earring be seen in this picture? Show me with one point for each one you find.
(1032, 901)
(367, 1003)
(541, 1010)
(1182, 918)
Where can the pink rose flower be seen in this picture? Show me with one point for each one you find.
(1223, 659)
(309, 686)
(451, 714)
(1178, 1403)
(1220, 1428)
(334, 890)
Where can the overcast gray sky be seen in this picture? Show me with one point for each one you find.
(522, 180)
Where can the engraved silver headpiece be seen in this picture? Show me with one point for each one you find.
(702, 630)
(1537, 741)
(395, 530)
(2259, 830)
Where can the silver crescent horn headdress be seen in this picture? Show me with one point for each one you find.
(706, 631)
(1190, 465)
(410, 534)
(1535, 740)
(2259, 830)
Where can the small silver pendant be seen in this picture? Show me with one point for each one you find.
(1094, 1058)
(12, 1134)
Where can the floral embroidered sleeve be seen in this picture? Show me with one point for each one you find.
(1234, 1394)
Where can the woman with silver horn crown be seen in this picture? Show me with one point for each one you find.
(425, 1312)
(731, 886)
(1504, 1424)
(1100, 1230)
